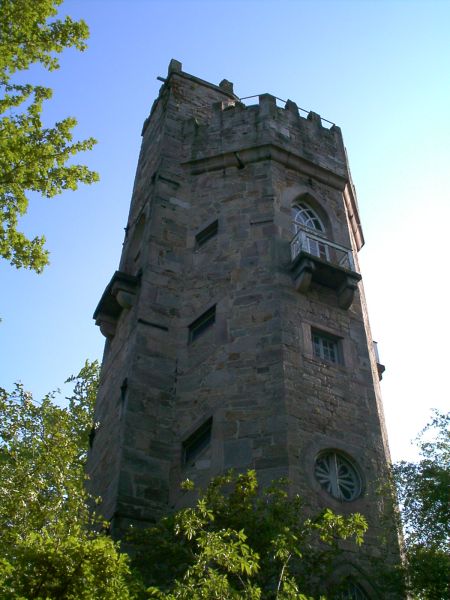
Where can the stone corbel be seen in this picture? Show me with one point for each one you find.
(304, 275)
(125, 294)
(346, 293)
(107, 325)
(119, 295)
(381, 369)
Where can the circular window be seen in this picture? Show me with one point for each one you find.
(338, 476)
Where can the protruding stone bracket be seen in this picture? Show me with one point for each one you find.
(120, 294)
(381, 369)
(107, 325)
(125, 299)
(307, 268)
(346, 292)
(303, 278)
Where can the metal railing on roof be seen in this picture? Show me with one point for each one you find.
(284, 101)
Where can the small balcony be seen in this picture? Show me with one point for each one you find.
(316, 259)
(119, 294)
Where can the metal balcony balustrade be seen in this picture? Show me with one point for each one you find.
(316, 259)
(307, 241)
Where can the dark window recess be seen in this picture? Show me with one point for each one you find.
(197, 442)
(326, 347)
(155, 325)
(351, 591)
(199, 326)
(206, 234)
(123, 396)
(92, 433)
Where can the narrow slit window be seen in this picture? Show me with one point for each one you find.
(200, 325)
(198, 441)
(206, 234)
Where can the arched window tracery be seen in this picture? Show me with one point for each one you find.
(304, 216)
(351, 591)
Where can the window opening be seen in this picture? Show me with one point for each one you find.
(326, 347)
(123, 396)
(338, 476)
(304, 216)
(351, 591)
(206, 234)
(200, 325)
(197, 442)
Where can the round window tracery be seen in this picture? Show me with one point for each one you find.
(304, 216)
(338, 476)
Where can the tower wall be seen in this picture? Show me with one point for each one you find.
(252, 374)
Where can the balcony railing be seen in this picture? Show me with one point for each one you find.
(316, 259)
(306, 241)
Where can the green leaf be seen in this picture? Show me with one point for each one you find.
(33, 158)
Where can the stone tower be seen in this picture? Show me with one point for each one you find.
(236, 326)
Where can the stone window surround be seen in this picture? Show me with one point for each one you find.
(326, 347)
(196, 442)
(348, 571)
(352, 591)
(327, 474)
(206, 234)
(307, 329)
(308, 456)
(202, 323)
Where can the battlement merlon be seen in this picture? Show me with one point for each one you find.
(271, 133)
(225, 87)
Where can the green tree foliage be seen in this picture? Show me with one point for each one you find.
(50, 544)
(423, 492)
(33, 158)
(239, 543)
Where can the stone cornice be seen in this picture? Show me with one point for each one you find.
(262, 152)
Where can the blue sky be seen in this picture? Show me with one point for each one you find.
(380, 70)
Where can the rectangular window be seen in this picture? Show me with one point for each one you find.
(206, 234)
(197, 442)
(326, 347)
(200, 325)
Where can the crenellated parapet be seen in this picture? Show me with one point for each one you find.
(232, 126)
(215, 121)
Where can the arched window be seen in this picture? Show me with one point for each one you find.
(351, 591)
(304, 216)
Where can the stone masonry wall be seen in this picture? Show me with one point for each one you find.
(274, 405)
